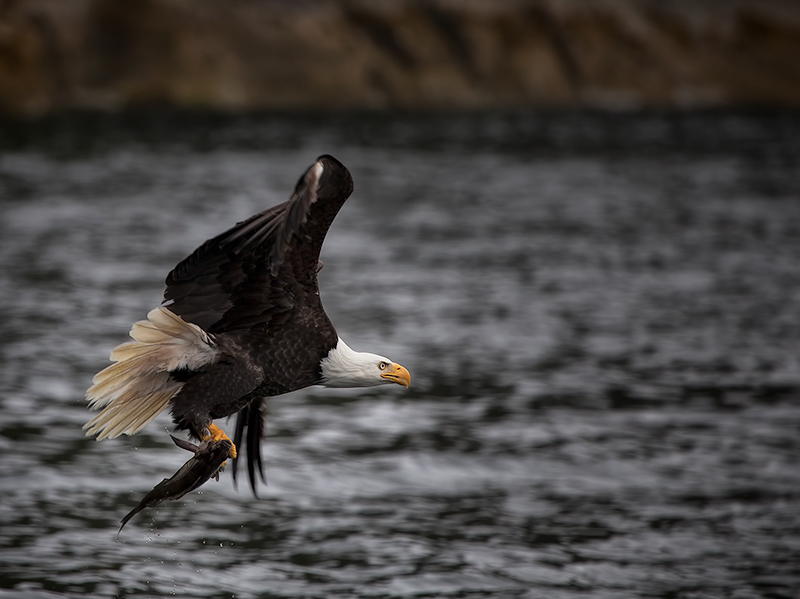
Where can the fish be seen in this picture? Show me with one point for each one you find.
(207, 462)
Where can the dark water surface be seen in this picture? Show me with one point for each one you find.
(601, 314)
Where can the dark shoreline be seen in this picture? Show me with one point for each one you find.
(397, 55)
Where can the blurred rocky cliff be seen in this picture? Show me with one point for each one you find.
(406, 54)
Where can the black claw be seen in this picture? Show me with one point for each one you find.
(184, 444)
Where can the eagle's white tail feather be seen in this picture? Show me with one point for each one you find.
(133, 413)
(138, 387)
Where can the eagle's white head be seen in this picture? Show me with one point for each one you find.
(344, 367)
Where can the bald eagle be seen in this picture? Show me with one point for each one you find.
(241, 321)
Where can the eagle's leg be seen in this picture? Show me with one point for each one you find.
(216, 434)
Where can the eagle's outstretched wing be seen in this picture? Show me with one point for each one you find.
(254, 272)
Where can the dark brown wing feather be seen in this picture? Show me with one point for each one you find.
(250, 274)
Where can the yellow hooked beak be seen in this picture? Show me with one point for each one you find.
(397, 374)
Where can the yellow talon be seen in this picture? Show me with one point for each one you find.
(215, 433)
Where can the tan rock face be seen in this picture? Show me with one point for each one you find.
(247, 54)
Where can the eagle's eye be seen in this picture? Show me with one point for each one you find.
(382, 365)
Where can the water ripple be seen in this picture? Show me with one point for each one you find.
(600, 313)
